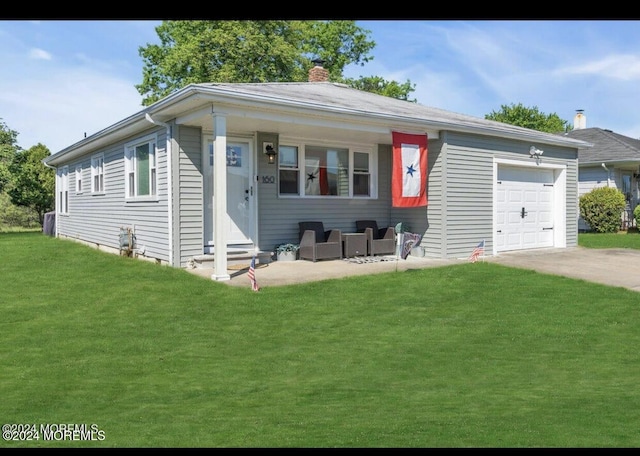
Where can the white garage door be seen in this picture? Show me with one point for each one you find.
(524, 208)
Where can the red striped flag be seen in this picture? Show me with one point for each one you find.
(252, 275)
(479, 250)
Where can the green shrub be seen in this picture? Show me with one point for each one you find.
(602, 208)
(636, 215)
(12, 216)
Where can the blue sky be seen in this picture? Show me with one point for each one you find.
(62, 79)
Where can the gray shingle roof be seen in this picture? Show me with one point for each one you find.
(607, 146)
(317, 98)
(330, 96)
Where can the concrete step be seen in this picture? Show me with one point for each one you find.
(207, 260)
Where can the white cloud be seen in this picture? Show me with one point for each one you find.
(624, 67)
(62, 106)
(39, 54)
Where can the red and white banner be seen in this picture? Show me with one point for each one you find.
(409, 175)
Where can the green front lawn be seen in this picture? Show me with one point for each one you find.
(623, 239)
(469, 355)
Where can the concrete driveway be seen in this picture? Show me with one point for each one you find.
(615, 267)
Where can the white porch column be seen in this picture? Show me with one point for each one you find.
(220, 197)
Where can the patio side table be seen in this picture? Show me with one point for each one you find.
(354, 244)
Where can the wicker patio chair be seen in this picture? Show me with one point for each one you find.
(380, 241)
(318, 244)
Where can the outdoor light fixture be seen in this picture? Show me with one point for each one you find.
(535, 153)
(270, 152)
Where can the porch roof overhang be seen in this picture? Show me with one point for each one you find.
(274, 112)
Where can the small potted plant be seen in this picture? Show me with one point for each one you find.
(287, 252)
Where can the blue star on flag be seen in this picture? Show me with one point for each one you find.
(311, 176)
(411, 170)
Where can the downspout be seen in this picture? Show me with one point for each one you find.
(55, 193)
(170, 183)
(608, 173)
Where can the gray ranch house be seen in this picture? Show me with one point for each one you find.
(613, 161)
(157, 174)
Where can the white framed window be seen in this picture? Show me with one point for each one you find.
(78, 179)
(289, 172)
(361, 174)
(140, 168)
(63, 190)
(97, 173)
(317, 170)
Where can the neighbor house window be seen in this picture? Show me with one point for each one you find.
(140, 168)
(314, 170)
(97, 173)
(78, 179)
(63, 190)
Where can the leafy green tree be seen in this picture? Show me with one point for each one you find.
(8, 148)
(33, 184)
(378, 85)
(192, 52)
(532, 118)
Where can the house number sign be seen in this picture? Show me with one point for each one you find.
(268, 179)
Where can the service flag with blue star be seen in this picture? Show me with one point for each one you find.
(409, 175)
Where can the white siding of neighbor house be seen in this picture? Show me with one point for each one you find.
(97, 218)
(188, 226)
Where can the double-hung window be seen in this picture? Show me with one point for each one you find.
(326, 171)
(140, 168)
(289, 173)
(79, 179)
(361, 174)
(97, 173)
(63, 190)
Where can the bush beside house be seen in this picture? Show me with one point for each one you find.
(601, 208)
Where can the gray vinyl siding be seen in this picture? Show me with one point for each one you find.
(460, 186)
(189, 226)
(279, 216)
(97, 218)
(460, 192)
(469, 192)
(427, 221)
(573, 203)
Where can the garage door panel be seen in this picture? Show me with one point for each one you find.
(515, 196)
(546, 238)
(545, 218)
(529, 240)
(518, 188)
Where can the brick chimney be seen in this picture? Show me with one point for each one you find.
(318, 73)
(580, 120)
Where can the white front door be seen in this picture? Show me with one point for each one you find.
(240, 193)
(524, 209)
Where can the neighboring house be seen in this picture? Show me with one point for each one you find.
(613, 161)
(156, 173)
